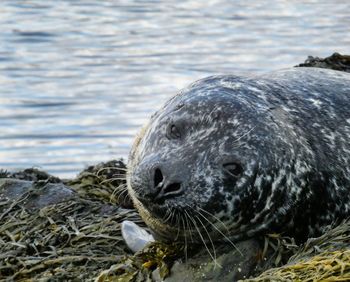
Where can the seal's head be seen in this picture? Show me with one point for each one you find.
(204, 162)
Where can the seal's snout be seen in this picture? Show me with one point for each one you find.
(164, 186)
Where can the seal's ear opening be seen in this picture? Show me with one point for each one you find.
(234, 169)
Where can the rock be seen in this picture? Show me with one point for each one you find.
(230, 265)
(336, 62)
(34, 195)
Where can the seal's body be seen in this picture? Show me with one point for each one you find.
(239, 156)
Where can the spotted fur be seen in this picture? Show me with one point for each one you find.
(290, 132)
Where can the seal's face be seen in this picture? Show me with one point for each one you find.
(196, 161)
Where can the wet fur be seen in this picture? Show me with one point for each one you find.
(291, 131)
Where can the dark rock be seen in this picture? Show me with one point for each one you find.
(35, 195)
(230, 265)
(335, 62)
(33, 174)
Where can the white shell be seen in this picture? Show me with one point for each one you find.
(135, 237)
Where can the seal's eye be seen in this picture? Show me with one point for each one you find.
(233, 169)
(173, 132)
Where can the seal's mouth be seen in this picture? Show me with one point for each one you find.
(159, 209)
(185, 223)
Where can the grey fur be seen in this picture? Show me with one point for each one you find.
(288, 130)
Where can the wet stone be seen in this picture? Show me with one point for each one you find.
(35, 195)
(232, 265)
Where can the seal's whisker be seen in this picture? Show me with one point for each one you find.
(185, 237)
(122, 174)
(111, 168)
(202, 238)
(120, 177)
(217, 229)
(218, 219)
(124, 194)
(211, 241)
(206, 230)
(119, 174)
(167, 216)
(112, 179)
(120, 189)
(189, 228)
(121, 186)
(118, 195)
(125, 199)
(178, 225)
(172, 216)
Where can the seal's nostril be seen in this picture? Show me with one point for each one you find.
(172, 188)
(158, 177)
(233, 169)
(163, 188)
(168, 191)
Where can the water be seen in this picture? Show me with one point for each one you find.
(78, 78)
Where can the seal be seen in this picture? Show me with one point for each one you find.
(235, 157)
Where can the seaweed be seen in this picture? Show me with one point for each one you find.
(71, 240)
(336, 62)
(326, 258)
(105, 182)
(141, 266)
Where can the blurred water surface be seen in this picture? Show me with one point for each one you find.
(78, 78)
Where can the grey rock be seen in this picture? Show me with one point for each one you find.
(231, 265)
(34, 195)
